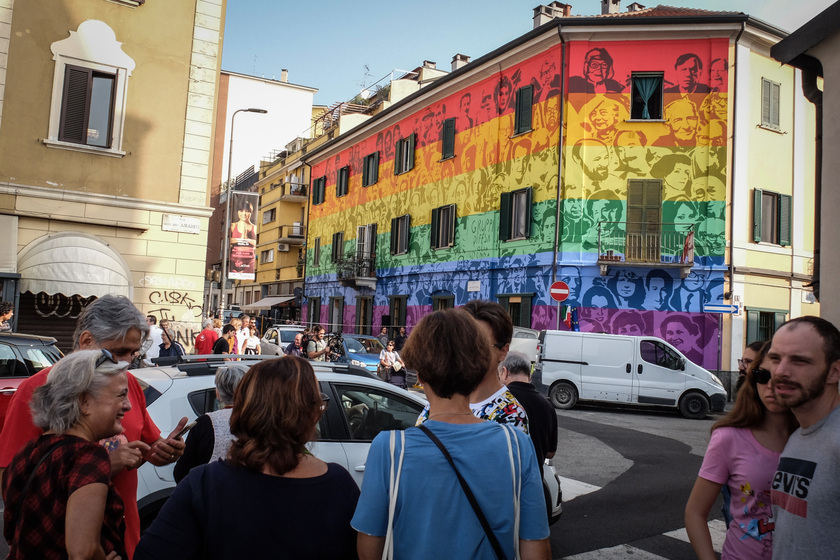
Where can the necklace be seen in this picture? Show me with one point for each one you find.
(449, 414)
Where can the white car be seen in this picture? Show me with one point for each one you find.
(359, 406)
(277, 337)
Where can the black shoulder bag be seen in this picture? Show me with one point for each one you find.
(494, 542)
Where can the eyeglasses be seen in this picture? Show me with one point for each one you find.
(744, 363)
(105, 357)
(595, 64)
(761, 376)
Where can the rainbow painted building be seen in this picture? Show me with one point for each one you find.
(593, 150)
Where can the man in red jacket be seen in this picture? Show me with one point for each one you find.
(114, 324)
(206, 338)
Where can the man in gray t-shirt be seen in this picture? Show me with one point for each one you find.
(317, 347)
(805, 358)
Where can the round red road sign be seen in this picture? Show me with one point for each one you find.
(559, 291)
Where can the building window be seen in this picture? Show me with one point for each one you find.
(646, 97)
(443, 227)
(771, 217)
(316, 252)
(448, 139)
(366, 249)
(762, 323)
(443, 301)
(397, 308)
(342, 181)
(337, 247)
(515, 215)
(267, 256)
(319, 186)
(314, 313)
(524, 110)
(400, 228)
(87, 111)
(770, 96)
(404, 159)
(364, 314)
(370, 173)
(518, 307)
(336, 315)
(269, 215)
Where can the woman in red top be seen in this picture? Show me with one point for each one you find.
(60, 501)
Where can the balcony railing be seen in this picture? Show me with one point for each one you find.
(664, 245)
(294, 234)
(291, 190)
(357, 272)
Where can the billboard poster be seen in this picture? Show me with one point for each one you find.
(243, 236)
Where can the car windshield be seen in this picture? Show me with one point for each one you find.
(287, 336)
(363, 345)
(38, 358)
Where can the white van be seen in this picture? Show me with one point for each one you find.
(640, 370)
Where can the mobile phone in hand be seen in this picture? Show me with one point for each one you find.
(185, 429)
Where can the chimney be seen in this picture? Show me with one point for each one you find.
(284, 76)
(610, 7)
(429, 64)
(459, 60)
(544, 14)
(635, 7)
(561, 9)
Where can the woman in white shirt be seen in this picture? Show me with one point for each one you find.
(392, 366)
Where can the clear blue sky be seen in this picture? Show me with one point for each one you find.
(329, 44)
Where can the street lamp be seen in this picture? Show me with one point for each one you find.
(226, 252)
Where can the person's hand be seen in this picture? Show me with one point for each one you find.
(113, 556)
(127, 456)
(165, 451)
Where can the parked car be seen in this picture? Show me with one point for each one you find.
(359, 406)
(22, 355)
(358, 349)
(633, 370)
(277, 337)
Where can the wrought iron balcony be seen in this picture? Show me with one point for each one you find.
(294, 234)
(293, 191)
(357, 272)
(648, 244)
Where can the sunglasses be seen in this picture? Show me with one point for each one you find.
(105, 357)
(761, 376)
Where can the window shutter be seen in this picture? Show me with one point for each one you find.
(757, 215)
(412, 141)
(398, 158)
(407, 236)
(360, 242)
(525, 312)
(375, 172)
(370, 242)
(334, 248)
(448, 148)
(394, 235)
(433, 240)
(765, 101)
(780, 318)
(524, 102)
(752, 326)
(454, 209)
(775, 104)
(75, 106)
(505, 215)
(784, 219)
(528, 212)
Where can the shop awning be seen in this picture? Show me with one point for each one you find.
(73, 263)
(268, 302)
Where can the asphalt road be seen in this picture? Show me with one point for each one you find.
(645, 463)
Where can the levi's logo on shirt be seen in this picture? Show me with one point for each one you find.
(791, 484)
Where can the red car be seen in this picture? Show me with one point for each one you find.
(22, 355)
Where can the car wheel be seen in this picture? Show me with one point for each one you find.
(563, 395)
(694, 406)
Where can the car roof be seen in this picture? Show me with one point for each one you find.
(201, 365)
(18, 339)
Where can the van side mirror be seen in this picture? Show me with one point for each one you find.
(682, 364)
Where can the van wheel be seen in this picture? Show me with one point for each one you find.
(694, 406)
(563, 395)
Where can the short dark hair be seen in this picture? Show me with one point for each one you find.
(756, 346)
(827, 331)
(494, 315)
(228, 328)
(448, 369)
(6, 306)
(152, 319)
(685, 57)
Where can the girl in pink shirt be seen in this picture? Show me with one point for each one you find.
(743, 453)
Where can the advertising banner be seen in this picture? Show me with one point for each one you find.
(243, 236)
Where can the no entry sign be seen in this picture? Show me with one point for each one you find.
(559, 291)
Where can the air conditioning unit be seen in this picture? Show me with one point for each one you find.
(283, 247)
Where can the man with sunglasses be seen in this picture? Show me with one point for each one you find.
(113, 325)
(805, 355)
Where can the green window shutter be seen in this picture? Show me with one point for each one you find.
(412, 141)
(394, 235)
(505, 212)
(398, 158)
(752, 326)
(779, 319)
(448, 141)
(524, 104)
(435, 226)
(784, 219)
(529, 195)
(757, 215)
(375, 167)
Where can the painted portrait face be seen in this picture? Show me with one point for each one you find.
(687, 74)
(714, 235)
(695, 280)
(632, 329)
(683, 120)
(573, 208)
(679, 337)
(504, 96)
(597, 166)
(604, 116)
(571, 276)
(597, 70)
(465, 103)
(677, 180)
(713, 135)
(598, 310)
(685, 217)
(656, 291)
(625, 285)
(717, 81)
(605, 211)
(547, 72)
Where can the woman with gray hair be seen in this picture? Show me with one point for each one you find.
(60, 501)
(210, 439)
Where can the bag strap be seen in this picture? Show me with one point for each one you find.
(494, 542)
(31, 479)
(393, 490)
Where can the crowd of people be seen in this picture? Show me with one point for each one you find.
(76, 432)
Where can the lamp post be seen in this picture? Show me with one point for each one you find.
(226, 248)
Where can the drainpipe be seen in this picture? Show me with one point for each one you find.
(810, 72)
(558, 226)
(728, 295)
